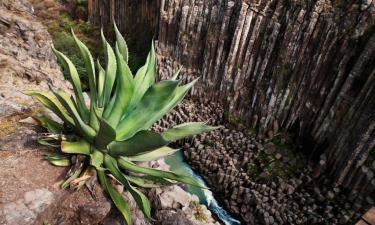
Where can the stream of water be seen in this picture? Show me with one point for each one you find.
(206, 197)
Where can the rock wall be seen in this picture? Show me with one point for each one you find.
(258, 180)
(305, 67)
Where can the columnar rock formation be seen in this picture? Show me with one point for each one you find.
(306, 67)
(261, 182)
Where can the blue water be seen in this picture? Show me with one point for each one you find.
(206, 197)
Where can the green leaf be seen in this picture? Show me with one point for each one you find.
(144, 78)
(175, 76)
(105, 135)
(101, 79)
(90, 68)
(97, 159)
(145, 141)
(47, 141)
(110, 75)
(142, 201)
(148, 181)
(123, 93)
(53, 104)
(127, 165)
(154, 100)
(177, 97)
(141, 142)
(76, 82)
(51, 125)
(58, 159)
(116, 197)
(76, 147)
(123, 47)
(86, 131)
(186, 129)
(74, 174)
(153, 155)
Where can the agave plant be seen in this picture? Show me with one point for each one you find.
(108, 135)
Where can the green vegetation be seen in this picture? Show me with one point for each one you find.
(113, 130)
(64, 42)
(199, 211)
(268, 167)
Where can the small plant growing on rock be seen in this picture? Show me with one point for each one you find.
(110, 133)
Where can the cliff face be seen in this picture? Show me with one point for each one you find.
(306, 67)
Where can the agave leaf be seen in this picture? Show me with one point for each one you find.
(51, 125)
(153, 155)
(122, 46)
(144, 78)
(58, 159)
(146, 141)
(143, 141)
(148, 181)
(142, 201)
(53, 104)
(124, 92)
(77, 171)
(101, 79)
(76, 82)
(76, 147)
(185, 130)
(97, 159)
(47, 141)
(175, 76)
(120, 203)
(154, 100)
(90, 67)
(59, 162)
(85, 130)
(110, 75)
(108, 108)
(128, 165)
(105, 135)
(177, 97)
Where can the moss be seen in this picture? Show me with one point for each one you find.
(266, 168)
(208, 142)
(10, 123)
(199, 211)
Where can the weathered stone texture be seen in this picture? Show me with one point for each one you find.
(306, 67)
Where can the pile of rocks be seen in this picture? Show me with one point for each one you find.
(259, 181)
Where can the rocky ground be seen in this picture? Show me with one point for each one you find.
(262, 181)
(30, 190)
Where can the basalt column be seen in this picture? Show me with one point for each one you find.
(302, 66)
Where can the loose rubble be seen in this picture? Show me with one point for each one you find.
(261, 182)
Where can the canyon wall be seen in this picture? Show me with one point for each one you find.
(305, 67)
